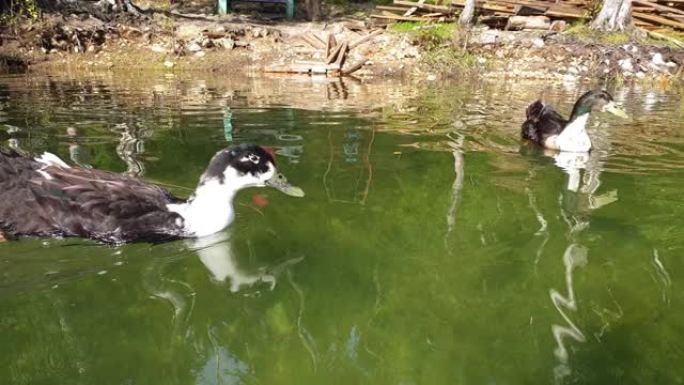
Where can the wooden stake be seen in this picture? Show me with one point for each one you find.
(342, 55)
(331, 58)
(330, 44)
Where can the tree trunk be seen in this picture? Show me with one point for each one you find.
(466, 17)
(615, 15)
(313, 9)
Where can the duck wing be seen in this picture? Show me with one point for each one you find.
(542, 122)
(53, 200)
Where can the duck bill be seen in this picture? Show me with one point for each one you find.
(615, 109)
(279, 182)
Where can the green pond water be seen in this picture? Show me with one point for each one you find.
(431, 247)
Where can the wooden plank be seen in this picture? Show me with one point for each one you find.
(562, 7)
(390, 8)
(658, 6)
(413, 9)
(401, 18)
(641, 23)
(565, 15)
(487, 7)
(673, 16)
(659, 20)
(427, 7)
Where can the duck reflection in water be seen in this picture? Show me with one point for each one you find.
(77, 153)
(217, 254)
(578, 199)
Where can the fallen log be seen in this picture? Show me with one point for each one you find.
(364, 39)
(354, 67)
(528, 22)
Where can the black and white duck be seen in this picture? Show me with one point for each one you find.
(546, 127)
(45, 197)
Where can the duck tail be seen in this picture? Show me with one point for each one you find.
(534, 110)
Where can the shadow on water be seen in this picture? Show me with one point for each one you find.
(431, 247)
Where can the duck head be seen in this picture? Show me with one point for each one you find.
(596, 100)
(247, 165)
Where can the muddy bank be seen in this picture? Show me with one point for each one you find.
(239, 43)
(562, 56)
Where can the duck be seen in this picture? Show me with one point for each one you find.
(45, 197)
(547, 128)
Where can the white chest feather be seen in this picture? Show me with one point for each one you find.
(210, 211)
(574, 137)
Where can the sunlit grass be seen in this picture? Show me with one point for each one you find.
(582, 32)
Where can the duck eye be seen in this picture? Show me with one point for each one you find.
(252, 158)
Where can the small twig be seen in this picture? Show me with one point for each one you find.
(314, 42)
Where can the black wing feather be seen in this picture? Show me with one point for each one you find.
(82, 202)
(542, 122)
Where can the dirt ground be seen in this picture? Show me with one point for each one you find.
(192, 37)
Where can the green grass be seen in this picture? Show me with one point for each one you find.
(427, 35)
(437, 41)
(442, 31)
(581, 31)
(19, 11)
(449, 59)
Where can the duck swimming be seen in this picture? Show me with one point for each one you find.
(45, 197)
(549, 129)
